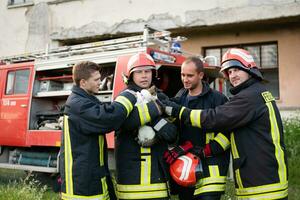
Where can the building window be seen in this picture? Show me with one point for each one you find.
(17, 82)
(265, 56)
(19, 2)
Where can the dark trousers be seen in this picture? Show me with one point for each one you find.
(110, 188)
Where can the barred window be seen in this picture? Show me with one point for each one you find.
(265, 56)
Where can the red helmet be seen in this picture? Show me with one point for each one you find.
(186, 170)
(139, 60)
(241, 59)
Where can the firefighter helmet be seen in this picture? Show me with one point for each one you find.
(138, 61)
(186, 170)
(241, 59)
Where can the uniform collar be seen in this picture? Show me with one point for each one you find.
(237, 89)
(205, 89)
(79, 91)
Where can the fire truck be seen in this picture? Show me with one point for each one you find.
(35, 86)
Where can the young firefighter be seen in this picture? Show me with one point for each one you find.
(257, 143)
(197, 94)
(83, 158)
(141, 172)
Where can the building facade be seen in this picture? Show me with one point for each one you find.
(268, 29)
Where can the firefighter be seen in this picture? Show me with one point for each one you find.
(257, 143)
(197, 94)
(140, 170)
(83, 156)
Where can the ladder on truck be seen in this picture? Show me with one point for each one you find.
(100, 50)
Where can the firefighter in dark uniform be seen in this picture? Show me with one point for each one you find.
(141, 172)
(197, 94)
(83, 156)
(257, 143)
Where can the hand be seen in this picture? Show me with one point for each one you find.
(165, 130)
(202, 152)
(171, 155)
(161, 96)
(171, 109)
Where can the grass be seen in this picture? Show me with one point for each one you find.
(16, 185)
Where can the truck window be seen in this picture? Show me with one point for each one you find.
(17, 82)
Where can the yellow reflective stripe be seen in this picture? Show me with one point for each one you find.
(142, 188)
(210, 180)
(101, 149)
(143, 113)
(222, 141)
(80, 197)
(273, 195)
(145, 166)
(143, 195)
(195, 118)
(104, 187)
(262, 189)
(209, 137)
(214, 170)
(210, 188)
(238, 178)
(181, 111)
(235, 155)
(279, 154)
(234, 151)
(125, 102)
(268, 97)
(68, 157)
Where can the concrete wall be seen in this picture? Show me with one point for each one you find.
(205, 23)
(48, 21)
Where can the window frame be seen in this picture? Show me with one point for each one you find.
(14, 83)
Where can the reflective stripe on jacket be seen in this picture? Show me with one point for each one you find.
(259, 157)
(216, 167)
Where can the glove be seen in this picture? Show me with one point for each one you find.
(165, 130)
(202, 152)
(161, 96)
(170, 108)
(171, 155)
(146, 136)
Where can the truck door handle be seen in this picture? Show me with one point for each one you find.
(23, 105)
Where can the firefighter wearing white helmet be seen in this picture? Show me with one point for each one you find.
(141, 172)
(257, 144)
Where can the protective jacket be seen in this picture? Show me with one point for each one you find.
(83, 156)
(141, 172)
(214, 168)
(257, 145)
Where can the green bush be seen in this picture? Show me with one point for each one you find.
(292, 142)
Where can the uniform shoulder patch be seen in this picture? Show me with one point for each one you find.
(267, 96)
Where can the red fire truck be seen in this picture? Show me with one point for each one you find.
(34, 88)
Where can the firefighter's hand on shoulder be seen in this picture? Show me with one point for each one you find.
(172, 154)
(171, 108)
(202, 152)
(165, 130)
(130, 95)
(146, 136)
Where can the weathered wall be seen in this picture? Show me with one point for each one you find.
(50, 20)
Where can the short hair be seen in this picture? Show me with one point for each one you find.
(83, 70)
(197, 61)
